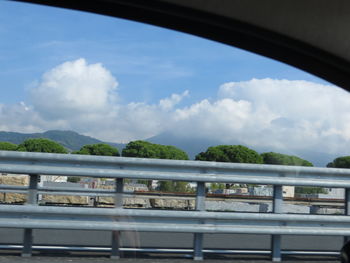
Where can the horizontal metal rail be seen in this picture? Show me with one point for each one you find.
(171, 221)
(119, 212)
(199, 222)
(193, 171)
(172, 250)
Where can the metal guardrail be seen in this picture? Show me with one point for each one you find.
(199, 222)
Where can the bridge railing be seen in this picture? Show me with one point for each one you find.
(32, 216)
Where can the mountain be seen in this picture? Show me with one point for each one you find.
(69, 139)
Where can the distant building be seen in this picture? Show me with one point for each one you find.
(108, 181)
(154, 184)
(62, 184)
(261, 190)
(127, 187)
(90, 182)
(131, 187)
(288, 191)
(234, 191)
(192, 184)
(52, 178)
(267, 190)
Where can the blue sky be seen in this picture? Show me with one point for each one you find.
(119, 80)
(143, 58)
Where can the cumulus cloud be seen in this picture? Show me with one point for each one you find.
(169, 103)
(282, 114)
(83, 97)
(297, 98)
(271, 113)
(74, 87)
(219, 119)
(22, 118)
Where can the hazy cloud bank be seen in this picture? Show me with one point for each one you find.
(285, 114)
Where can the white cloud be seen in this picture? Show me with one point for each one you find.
(217, 120)
(326, 107)
(74, 87)
(22, 118)
(169, 103)
(80, 96)
(282, 114)
(298, 98)
(273, 113)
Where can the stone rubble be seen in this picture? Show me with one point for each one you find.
(13, 198)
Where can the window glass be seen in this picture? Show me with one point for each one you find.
(83, 79)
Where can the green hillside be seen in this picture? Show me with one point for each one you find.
(71, 140)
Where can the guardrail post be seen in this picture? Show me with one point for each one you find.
(198, 237)
(118, 203)
(347, 210)
(277, 208)
(32, 199)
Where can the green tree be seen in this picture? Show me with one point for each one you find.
(7, 146)
(41, 145)
(310, 190)
(143, 149)
(141, 181)
(98, 149)
(340, 162)
(217, 186)
(230, 153)
(166, 186)
(181, 187)
(284, 159)
(73, 179)
(177, 186)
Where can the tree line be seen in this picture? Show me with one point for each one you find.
(144, 149)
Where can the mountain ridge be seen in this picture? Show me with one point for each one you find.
(69, 139)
